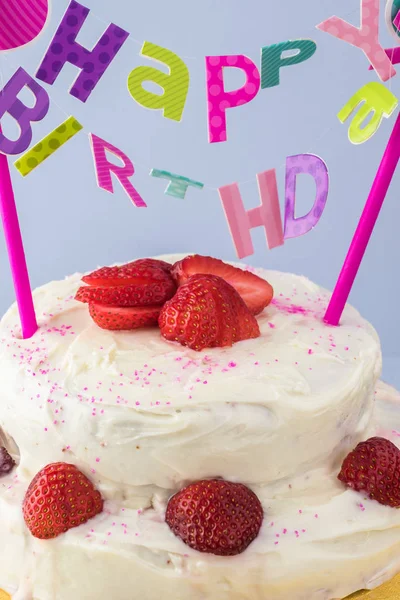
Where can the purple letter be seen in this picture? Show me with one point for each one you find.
(64, 48)
(24, 115)
(310, 165)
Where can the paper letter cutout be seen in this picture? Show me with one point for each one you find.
(377, 100)
(38, 154)
(272, 60)
(267, 215)
(178, 185)
(393, 54)
(219, 100)
(310, 165)
(175, 84)
(365, 37)
(104, 169)
(92, 63)
(21, 22)
(24, 115)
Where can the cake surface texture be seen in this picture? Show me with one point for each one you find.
(142, 418)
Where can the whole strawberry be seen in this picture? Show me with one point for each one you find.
(6, 462)
(59, 498)
(374, 468)
(215, 516)
(207, 312)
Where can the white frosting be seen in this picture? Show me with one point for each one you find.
(142, 417)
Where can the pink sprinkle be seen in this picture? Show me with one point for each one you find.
(346, 348)
(232, 364)
(271, 524)
(316, 516)
(285, 531)
(303, 530)
(271, 325)
(97, 460)
(300, 511)
(310, 351)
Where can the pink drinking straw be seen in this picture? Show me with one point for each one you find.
(16, 254)
(365, 227)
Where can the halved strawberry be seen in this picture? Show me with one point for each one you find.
(255, 291)
(149, 294)
(59, 498)
(207, 312)
(129, 274)
(215, 516)
(117, 318)
(134, 284)
(153, 262)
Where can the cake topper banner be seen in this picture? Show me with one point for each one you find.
(364, 111)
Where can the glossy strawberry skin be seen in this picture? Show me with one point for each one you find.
(137, 273)
(115, 318)
(373, 468)
(153, 262)
(215, 516)
(207, 312)
(130, 295)
(255, 291)
(59, 498)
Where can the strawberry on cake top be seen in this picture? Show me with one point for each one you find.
(177, 428)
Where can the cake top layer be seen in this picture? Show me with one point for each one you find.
(110, 398)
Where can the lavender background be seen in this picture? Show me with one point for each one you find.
(70, 225)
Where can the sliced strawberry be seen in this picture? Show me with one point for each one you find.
(207, 312)
(129, 274)
(153, 262)
(255, 291)
(116, 318)
(129, 295)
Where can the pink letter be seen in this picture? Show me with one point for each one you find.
(310, 165)
(364, 37)
(267, 215)
(104, 168)
(219, 100)
(394, 56)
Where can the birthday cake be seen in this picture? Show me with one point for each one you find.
(195, 432)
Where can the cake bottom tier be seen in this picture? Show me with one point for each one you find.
(388, 591)
(319, 541)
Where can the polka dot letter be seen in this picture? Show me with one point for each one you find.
(366, 37)
(310, 165)
(64, 48)
(38, 154)
(219, 100)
